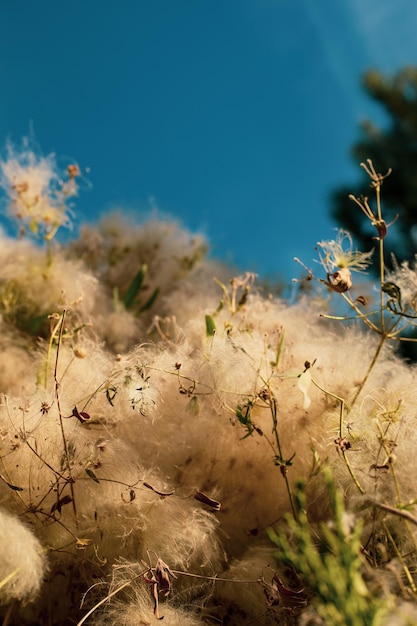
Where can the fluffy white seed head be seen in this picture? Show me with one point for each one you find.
(22, 560)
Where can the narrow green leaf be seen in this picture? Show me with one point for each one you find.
(14, 487)
(91, 474)
(279, 350)
(135, 287)
(57, 506)
(149, 303)
(210, 326)
(392, 290)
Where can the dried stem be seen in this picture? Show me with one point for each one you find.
(70, 479)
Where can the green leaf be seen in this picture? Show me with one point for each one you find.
(33, 325)
(149, 303)
(392, 290)
(243, 414)
(135, 287)
(279, 350)
(57, 506)
(14, 487)
(91, 474)
(210, 326)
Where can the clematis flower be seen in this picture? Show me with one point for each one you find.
(339, 254)
(338, 259)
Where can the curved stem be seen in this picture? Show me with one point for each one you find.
(370, 368)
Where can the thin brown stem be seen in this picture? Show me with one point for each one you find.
(60, 416)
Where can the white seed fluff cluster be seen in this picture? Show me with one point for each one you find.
(141, 403)
(22, 560)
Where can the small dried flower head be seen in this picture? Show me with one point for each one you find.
(379, 223)
(376, 178)
(338, 254)
(73, 170)
(340, 281)
(80, 352)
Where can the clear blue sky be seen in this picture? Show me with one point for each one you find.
(235, 117)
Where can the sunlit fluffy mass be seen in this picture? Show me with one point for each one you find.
(156, 414)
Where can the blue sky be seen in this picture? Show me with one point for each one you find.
(235, 117)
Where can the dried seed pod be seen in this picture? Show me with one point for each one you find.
(381, 227)
(361, 300)
(340, 281)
